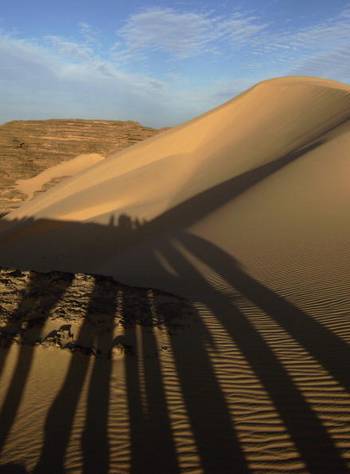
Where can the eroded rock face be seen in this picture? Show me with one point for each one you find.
(29, 147)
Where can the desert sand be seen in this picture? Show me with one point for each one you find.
(29, 187)
(243, 212)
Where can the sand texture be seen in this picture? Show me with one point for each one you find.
(54, 174)
(243, 213)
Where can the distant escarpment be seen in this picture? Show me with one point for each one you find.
(27, 148)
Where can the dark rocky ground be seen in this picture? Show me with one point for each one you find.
(50, 309)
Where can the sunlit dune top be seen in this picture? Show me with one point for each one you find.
(290, 80)
(269, 120)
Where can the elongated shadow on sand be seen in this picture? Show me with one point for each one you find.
(151, 438)
(95, 440)
(73, 241)
(58, 426)
(306, 330)
(45, 289)
(214, 433)
(306, 430)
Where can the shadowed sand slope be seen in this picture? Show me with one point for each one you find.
(244, 211)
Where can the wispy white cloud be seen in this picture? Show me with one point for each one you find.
(72, 49)
(336, 61)
(286, 49)
(311, 49)
(89, 34)
(185, 34)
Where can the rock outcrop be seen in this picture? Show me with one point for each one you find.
(51, 309)
(29, 147)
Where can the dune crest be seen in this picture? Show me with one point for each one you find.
(282, 115)
(71, 167)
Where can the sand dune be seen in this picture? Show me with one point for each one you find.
(244, 211)
(282, 115)
(76, 165)
(249, 177)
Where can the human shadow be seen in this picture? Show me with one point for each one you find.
(150, 427)
(301, 421)
(306, 330)
(95, 438)
(41, 295)
(59, 422)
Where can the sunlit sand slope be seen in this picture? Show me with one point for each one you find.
(269, 121)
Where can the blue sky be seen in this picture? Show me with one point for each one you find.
(162, 62)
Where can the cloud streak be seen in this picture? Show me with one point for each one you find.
(313, 49)
(186, 34)
(74, 50)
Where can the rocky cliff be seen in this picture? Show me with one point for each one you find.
(30, 147)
